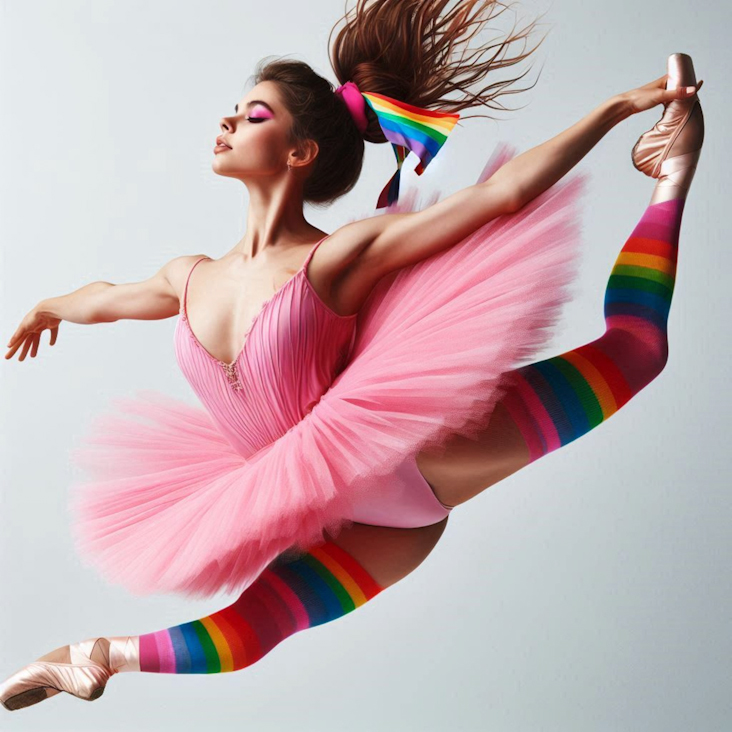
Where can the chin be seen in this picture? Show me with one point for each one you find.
(223, 171)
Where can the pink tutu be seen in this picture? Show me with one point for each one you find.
(176, 503)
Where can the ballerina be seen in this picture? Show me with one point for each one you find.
(538, 408)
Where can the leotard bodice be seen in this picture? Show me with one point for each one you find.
(294, 348)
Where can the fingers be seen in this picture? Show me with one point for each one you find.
(24, 350)
(26, 345)
(669, 94)
(683, 92)
(677, 93)
(12, 351)
(13, 345)
(16, 341)
(21, 343)
(14, 337)
(30, 339)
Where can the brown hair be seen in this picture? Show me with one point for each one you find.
(400, 48)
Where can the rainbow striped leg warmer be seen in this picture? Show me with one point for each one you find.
(555, 401)
(290, 595)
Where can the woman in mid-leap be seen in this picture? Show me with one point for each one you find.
(377, 387)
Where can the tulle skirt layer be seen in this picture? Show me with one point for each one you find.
(170, 506)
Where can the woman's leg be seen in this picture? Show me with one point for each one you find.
(294, 593)
(553, 402)
(328, 581)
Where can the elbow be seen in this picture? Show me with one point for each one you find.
(516, 201)
(100, 314)
(93, 317)
(96, 318)
(99, 307)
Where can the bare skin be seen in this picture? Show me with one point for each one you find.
(387, 554)
(467, 467)
(463, 471)
(257, 150)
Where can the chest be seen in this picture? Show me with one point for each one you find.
(221, 304)
(293, 352)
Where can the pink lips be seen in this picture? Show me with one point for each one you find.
(221, 145)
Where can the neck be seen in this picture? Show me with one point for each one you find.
(275, 221)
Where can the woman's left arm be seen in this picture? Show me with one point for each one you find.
(407, 238)
(539, 168)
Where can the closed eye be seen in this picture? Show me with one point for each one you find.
(256, 119)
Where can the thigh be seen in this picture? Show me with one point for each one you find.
(467, 467)
(389, 554)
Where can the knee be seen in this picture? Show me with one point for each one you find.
(653, 351)
(653, 359)
(645, 351)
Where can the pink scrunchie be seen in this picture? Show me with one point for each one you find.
(356, 104)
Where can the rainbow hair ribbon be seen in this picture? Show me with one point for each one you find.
(423, 131)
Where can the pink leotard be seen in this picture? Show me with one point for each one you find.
(294, 348)
(318, 420)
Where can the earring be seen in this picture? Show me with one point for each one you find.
(289, 167)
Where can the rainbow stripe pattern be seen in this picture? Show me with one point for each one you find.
(288, 596)
(555, 401)
(423, 131)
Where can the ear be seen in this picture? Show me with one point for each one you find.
(305, 155)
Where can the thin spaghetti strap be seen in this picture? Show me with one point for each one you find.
(310, 254)
(185, 289)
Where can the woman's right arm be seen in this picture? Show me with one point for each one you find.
(102, 302)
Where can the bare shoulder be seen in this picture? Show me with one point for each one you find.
(346, 244)
(177, 269)
(341, 270)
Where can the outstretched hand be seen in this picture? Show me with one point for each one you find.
(28, 333)
(654, 93)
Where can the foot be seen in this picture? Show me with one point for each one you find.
(99, 654)
(670, 150)
(81, 669)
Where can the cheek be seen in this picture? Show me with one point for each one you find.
(263, 145)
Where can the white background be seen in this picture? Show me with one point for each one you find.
(589, 591)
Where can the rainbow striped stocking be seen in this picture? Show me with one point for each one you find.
(557, 400)
(290, 595)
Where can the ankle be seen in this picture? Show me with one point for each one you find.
(677, 173)
(124, 653)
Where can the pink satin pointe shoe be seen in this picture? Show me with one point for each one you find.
(681, 127)
(83, 677)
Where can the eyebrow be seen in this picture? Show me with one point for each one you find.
(254, 101)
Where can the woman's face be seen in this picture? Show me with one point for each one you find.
(257, 135)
